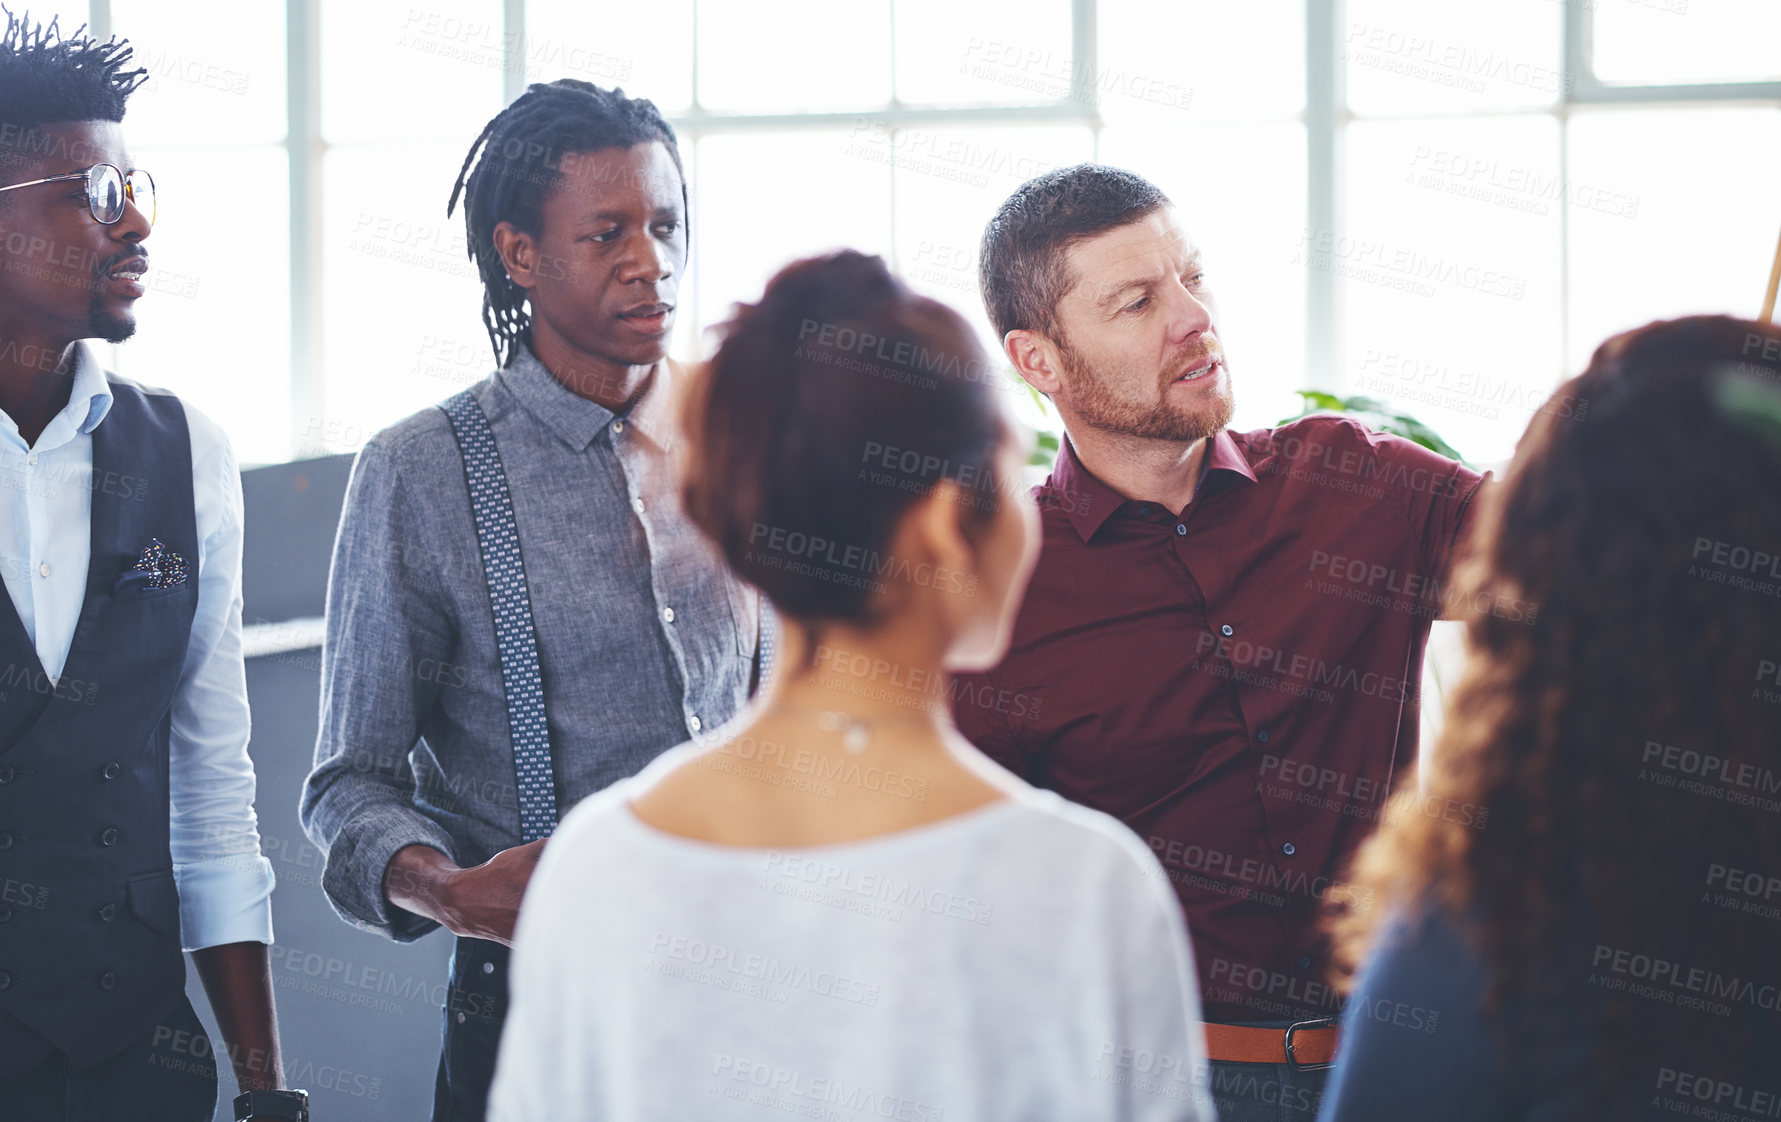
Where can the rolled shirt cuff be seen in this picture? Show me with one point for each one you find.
(225, 900)
(358, 859)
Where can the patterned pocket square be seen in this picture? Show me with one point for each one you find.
(156, 567)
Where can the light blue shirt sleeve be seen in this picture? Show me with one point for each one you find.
(225, 883)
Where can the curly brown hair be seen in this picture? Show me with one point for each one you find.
(1633, 523)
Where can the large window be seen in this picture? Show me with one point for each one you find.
(1444, 205)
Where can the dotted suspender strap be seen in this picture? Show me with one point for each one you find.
(522, 682)
(766, 643)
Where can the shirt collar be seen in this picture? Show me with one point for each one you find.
(89, 400)
(575, 419)
(1092, 502)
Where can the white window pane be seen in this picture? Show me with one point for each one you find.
(645, 49)
(1448, 273)
(1667, 41)
(949, 182)
(394, 72)
(1413, 57)
(402, 301)
(1246, 215)
(1692, 231)
(216, 70)
(992, 52)
(215, 326)
(740, 235)
(782, 56)
(1211, 58)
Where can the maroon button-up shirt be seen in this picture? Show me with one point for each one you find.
(1237, 684)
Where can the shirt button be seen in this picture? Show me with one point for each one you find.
(43, 568)
(488, 968)
(1289, 849)
(637, 505)
(112, 770)
(617, 426)
(1262, 736)
(109, 836)
(107, 913)
(1181, 529)
(1304, 962)
(108, 981)
(693, 723)
(31, 459)
(668, 614)
(1227, 629)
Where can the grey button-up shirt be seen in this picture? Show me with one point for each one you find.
(644, 637)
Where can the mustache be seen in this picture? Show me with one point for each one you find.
(1209, 349)
(104, 268)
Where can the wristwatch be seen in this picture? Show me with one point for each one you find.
(288, 1106)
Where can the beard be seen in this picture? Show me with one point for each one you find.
(1110, 400)
(102, 324)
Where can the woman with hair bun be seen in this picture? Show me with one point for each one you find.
(835, 906)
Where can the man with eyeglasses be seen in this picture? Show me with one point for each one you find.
(127, 828)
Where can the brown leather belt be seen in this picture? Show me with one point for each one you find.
(1306, 1045)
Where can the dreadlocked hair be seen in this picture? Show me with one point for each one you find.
(47, 78)
(522, 151)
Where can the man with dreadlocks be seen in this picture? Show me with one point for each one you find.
(127, 828)
(514, 586)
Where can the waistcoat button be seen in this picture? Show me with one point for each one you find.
(107, 913)
(112, 770)
(108, 981)
(6, 773)
(109, 837)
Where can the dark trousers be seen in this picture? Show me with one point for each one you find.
(1266, 1092)
(169, 1075)
(475, 1009)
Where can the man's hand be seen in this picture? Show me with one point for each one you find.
(481, 902)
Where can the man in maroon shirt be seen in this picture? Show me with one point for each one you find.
(1222, 644)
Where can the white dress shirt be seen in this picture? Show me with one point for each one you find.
(225, 884)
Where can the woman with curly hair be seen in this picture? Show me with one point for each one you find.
(1577, 915)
